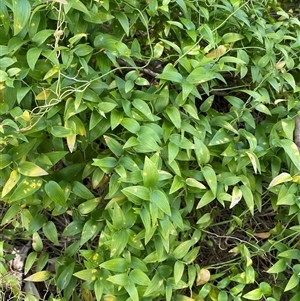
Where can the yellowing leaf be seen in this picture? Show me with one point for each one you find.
(43, 95)
(216, 53)
(281, 178)
(39, 276)
(203, 277)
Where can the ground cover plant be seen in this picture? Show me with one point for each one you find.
(149, 150)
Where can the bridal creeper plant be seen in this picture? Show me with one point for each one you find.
(149, 149)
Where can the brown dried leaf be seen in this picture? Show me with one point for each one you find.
(216, 53)
(263, 235)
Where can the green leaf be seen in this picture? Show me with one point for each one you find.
(3, 76)
(289, 79)
(280, 266)
(255, 294)
(231, 37)
(30, 260)
(290, 254)
(170, 74)
(106, 164)
(293, 282)
(113, 145)
(248, 197)
(30, 169)
(60, 131)
(89, 206)
(201, 152)
(178, 271)
(150, 173)
(174, 115)
(122, 18)
(181, 250)
(49, 229)
(207, 198)
(137, 194)
(82, 191)
(55, 193)
(194, 183)
(211, 178)
(39, 276)
(292, 151)
(139, 277)
(26, 188)
(11, 214)
(221, 137)
(131, 125)
(5, 160)
(200, 75)
(39, 38)
(119, 279)
(161, 201)
(90, 229)
(116, 265)
(87, 275)
(64, 278)
(21, 16)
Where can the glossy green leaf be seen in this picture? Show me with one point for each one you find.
(174, 115)
(279, 266)
(82, 191)
(178, 271)
(170, 74)
(90, 229)
(207, 198)
(139, 277)
(200, 75)
(50, 231)
(105, 164)
(181, 250)
(114, 145)
(30, 260)
(119, 279)
(211, 178)
(150, 173)
(55, 193)
(89, 206)
(131, 125)
(137, 194)
(292, 283)
(21, 16)
(255, 294)
(160, 199)
(232, 37)
(201, 152)
(64, 278)
(11, 214)
(292, 151)
(116, 265)
(248, 197)
(86, 275)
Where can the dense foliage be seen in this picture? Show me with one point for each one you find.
(149, 150)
